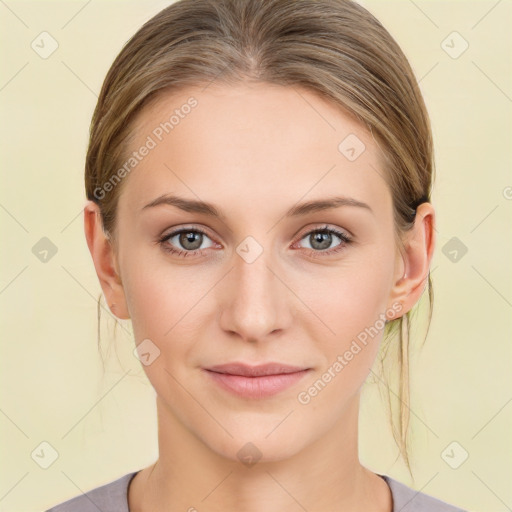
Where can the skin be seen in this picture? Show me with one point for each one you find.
(254, 151)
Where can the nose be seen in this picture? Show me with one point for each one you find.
(255, 299)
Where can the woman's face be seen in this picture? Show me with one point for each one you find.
(251, 283)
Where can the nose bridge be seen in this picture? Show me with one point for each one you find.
(256, 306)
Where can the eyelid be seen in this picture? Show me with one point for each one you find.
(325, 227)
(174, 230)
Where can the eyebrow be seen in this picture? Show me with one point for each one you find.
(192, 205)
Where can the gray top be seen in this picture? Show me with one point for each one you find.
(113, 497)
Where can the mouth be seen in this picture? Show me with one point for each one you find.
(255, 382)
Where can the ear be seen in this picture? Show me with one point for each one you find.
(105, 262)
(413, 263)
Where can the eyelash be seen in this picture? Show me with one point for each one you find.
(315, 254)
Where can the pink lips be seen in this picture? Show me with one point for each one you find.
(256, 381)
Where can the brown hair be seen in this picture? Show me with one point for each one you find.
(335, 48)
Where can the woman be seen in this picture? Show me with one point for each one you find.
(258, 204)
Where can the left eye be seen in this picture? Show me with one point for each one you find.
(321, 239)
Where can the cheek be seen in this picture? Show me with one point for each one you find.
(354, 314)
(163, 305)
(348, 299)
(351, 303)
(160, 297)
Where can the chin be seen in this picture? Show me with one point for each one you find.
(254, 444)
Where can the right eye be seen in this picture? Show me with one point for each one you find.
(190, 240)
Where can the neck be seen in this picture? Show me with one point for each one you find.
(325, 475)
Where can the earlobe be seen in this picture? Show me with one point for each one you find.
(103, 255)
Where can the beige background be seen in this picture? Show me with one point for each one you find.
(103, 424)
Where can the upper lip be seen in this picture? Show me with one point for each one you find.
(247, 370)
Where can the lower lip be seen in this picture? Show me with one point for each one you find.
(256, 387)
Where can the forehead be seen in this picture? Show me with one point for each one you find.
(260, 109)
(255, 139)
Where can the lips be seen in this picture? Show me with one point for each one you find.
(255, 382)
(246, 370)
